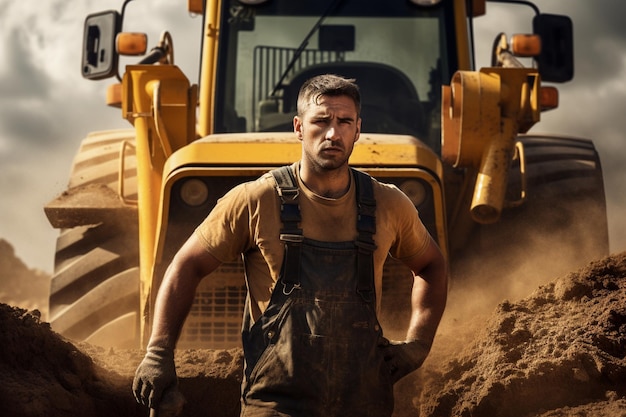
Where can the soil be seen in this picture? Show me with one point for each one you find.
(561, 351)
(20, 285)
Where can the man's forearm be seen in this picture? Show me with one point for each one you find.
(156, 374)
(175, 297)
(173, 303)
(428, 301)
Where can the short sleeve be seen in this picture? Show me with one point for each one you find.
(225, 232)
(411, 236)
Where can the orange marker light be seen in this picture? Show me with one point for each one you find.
(548, 98)
(526, 45)
(131, 43)
(195, 6)
(114, 95)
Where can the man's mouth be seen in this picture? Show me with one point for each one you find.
(332, 149)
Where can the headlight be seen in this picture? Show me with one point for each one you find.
(194, 192)
(415, 190)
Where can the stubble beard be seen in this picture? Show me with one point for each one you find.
(331, 163)
(326, 164)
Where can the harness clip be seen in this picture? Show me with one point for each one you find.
(288, 193)
(287, 237)
(290, 290)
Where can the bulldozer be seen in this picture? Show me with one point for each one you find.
(455, 139)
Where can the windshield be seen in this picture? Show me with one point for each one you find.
(395, 50)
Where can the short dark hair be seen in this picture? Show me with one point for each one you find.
(328, 85)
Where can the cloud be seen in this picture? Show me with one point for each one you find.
(27, 126)
(22, 79)
(599, 32)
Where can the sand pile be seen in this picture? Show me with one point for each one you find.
(43, 374)
(563, 346)
(559, 352)
(20, 285)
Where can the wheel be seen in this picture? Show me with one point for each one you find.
(566, 205)
(560, 226)
(94, 291)
(98, 161)
(95, 286)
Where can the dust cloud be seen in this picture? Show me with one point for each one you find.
(509, 260)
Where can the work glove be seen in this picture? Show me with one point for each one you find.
(402, 358)
(171, 404)
(155, 375)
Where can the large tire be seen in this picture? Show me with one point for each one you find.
(94, 294)
(98, 161)
(561, 225)
(565, 197)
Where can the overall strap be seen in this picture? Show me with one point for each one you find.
(290, 233)
(366, 228)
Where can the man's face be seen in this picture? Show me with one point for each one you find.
(328, 130)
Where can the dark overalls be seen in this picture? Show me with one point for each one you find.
(314, 351)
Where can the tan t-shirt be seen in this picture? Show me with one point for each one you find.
(247, 220)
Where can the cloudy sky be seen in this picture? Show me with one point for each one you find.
(46, 108)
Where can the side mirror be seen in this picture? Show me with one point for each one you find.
(100, 58)
(556, 60)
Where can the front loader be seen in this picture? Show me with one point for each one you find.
(453, 138)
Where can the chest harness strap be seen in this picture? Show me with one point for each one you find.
(291, 233)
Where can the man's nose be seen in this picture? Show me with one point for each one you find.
(331, 133)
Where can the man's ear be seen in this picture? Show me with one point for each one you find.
(297, 127)
(358, 130)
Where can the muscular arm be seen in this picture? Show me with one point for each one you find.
(175, 297)
(155, 379)
(428, 300)
(429, 295)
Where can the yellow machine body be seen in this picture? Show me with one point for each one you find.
(444, 133)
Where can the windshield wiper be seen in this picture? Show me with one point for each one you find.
(303, 45)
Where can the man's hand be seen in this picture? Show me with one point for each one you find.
(404, 357)
(155, 374)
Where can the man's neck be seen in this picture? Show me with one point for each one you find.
(329, 184)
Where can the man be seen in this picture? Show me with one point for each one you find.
(314, 237)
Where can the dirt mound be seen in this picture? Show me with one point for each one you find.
(42, 374)
(20, 285)
(559, 352)
(210, 380)
(563, 346)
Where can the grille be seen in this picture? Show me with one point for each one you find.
(216, 314)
